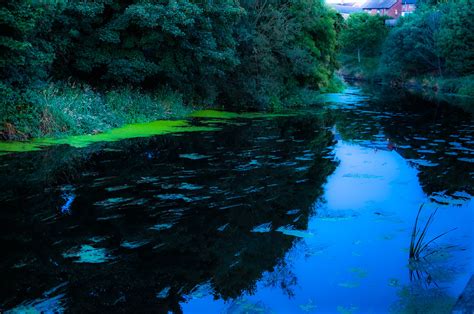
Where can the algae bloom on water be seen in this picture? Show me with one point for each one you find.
(159, 127)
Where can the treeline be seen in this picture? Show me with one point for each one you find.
(66, 62)
(435, 43)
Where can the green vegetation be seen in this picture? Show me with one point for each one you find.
(432, 48)
(71, 68)
(418, 244)
(146, 129)
(61, 110)
(363, 35)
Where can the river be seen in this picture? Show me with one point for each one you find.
(311, 211)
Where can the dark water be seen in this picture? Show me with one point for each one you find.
(299, 214)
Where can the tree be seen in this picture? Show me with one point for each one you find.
(284, 48)
(456, 37)
(26, 55)
(363, 34)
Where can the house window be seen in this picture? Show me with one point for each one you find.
(396, 12)
(378, 11)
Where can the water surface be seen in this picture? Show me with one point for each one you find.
(310, 212)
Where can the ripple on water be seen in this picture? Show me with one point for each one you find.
(193, 156)
(290, 231)
(88, 254)
(265, 227)
(159, 227)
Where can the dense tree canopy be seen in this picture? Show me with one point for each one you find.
(437, 40)
(363, 34)
(255, 51)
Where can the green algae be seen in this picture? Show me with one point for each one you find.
(148, 129)
(216, 114)
(159, 127)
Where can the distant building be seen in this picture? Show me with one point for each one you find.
(408, 6)
(391, 8)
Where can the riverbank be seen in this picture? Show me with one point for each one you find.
(59, 110)
(64, 110)
(450, 89)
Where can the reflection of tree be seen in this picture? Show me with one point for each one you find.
(254, 175)
(282, 277)
(436, 136)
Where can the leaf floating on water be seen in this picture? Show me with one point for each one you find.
(393, 282)
(189, 186)
(349, 284)
(293, 212)
(117, 188)
(337, 215)
(163, 294)
(346, 310)
(288, 230)
(308, 307)
(265, 227)
(200, 291)
(88, 254)
(167, 197)
(54, 304)
(193, 156)
(159, 227)
(134, 244)
(422, 162)
(244, 306)
(223, 227)
(469, 160)
(147, 180)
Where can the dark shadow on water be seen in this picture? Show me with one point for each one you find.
(144, 224)
(436, 137)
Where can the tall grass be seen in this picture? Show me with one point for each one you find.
(69, 109)
(460, 85)
(419, 244)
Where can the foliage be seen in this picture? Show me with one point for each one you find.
(258, 54)
(65, 109)
(460, 85)
(363, 34)
(418, 244)
(436, 40)
(284, 48)
(26, 55)
(365, 68)
(456, 38)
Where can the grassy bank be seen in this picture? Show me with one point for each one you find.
(63, 110)
(68, 109)
(369, 69)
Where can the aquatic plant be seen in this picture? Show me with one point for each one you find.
(419, 244)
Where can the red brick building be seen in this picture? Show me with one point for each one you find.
(392, 8)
